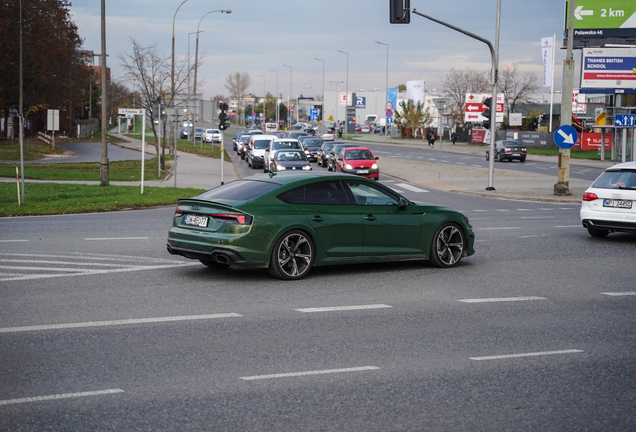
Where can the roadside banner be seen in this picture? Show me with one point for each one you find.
(609, 68)
(546, 54)
(415, 91)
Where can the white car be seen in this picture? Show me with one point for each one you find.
(279, 144)
(609, 205)
(212, 135)
(329, 136)
(256, 147)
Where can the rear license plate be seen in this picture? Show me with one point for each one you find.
(617, 203)
(201, 221)
(362, 172)
(516, 154)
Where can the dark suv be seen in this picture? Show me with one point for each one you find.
(333, 153)
(508, 150)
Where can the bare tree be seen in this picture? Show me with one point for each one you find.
(516, 87)
(151, 71)
(237, 84)
(457, 83)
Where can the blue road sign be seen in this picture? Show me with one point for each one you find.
(361, 102)
(250, 118)
(565, 137)
(389, 120)
(313, 113)
(624, 120)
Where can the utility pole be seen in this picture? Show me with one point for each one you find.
(562, 187)
(104, 176)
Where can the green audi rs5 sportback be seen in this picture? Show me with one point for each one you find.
(291, 221)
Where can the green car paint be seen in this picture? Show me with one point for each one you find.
(244, 231)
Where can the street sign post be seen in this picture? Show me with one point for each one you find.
(565, 137)
(142, 113)
(474, 107)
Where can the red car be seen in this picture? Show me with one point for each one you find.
(358, 161)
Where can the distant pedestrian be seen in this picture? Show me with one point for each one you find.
(429, 137)
(454, 137)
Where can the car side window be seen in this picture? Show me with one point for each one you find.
(371, 195)
(321, 193)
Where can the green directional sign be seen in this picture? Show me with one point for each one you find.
(604, 14)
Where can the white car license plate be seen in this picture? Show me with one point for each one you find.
(516, 154)
(362, 172)
(617, 203)
(201, 221)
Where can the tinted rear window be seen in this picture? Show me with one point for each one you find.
(239, 190)
(512, 144)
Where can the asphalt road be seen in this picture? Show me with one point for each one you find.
(101, 329)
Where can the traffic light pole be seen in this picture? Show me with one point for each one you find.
(494, 54)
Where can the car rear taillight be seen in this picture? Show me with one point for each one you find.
(589, 196)
(178, 213)
(236, 219)
(523, 149)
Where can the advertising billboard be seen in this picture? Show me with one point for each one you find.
(609, 68)
(597, 22)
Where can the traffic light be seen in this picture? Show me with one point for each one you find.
(486, 113)
(223, 117)
(399, 11)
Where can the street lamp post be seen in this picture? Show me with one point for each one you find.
(291, 73)
(196, 59)
(337, 102)
(386, 125)
(346, 95)
(104, 168)
(322, 114)
(263, 101)
(277, 110)
(176, 117)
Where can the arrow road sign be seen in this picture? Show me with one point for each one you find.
(579, 13)
(565, 137)
(624, 120)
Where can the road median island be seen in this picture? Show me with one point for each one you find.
(509, 184)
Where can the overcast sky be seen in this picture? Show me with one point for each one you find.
(259, 36)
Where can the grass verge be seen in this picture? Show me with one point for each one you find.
(55, 198)
(129, 170)
(33, 149)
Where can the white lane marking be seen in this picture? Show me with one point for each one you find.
(83, 272)
(536, 217)
(543, 353)
(388, 181)
(626, 293)
(398, 190)
(480, 210)
(502, 210)
(460, 163)
(117, 322)
(545, 209)
(411, 188)
(419, 157)
(62, 262)
(344, 308)
(478, 166)
(91, 256)
(568, 226)
(12, 241)
(117, 238)
(538, 235)
(433, 159)
(498, 228)
(317, 372)
(502, 299)
(60, 396)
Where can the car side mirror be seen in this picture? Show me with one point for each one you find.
(402, 203)
(377, 157)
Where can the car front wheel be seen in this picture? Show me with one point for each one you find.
(293, 256)
(487, 155)
(447, 247)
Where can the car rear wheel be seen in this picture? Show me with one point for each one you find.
(522, 160)
(597, 232)
(499, 158)
(447, 248)
(293, 256)
(487, 155)
(214, 265)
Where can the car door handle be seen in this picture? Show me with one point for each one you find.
(317, 219)
(370, 218)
